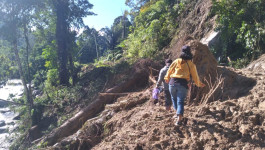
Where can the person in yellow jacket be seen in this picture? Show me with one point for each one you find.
(178, 75)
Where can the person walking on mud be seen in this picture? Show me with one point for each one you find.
(160, 80)
(179, 73)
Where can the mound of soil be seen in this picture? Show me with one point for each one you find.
(235, 85)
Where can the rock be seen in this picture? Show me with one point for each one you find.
(146, 115)
(3, 103)
(4, 111)
(36, 92)
(244, 129)
(3, 130)
(2, 123)
(11, 123)
(17, 117)
(254, 119)
(262, 105)
(260, 95)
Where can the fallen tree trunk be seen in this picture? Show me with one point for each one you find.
(115, 94)
(130, 102)
(93, 130)
(76, 122)
(4, 103)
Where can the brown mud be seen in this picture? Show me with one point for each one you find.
(233, 118)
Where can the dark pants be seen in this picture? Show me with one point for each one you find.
(167, 98)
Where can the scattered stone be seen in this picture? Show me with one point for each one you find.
(260, 94)
(244, 129)
(262, 105)
(11, 123)
(3, 103)
(2, 123)
(3, 130)
(254, 119)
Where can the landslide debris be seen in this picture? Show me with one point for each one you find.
(235, 120)
(236, 123)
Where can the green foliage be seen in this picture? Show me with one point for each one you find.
(93, 44)
(50, 55)
(7, 63)
(154, 28)
(119, 30)
(24, 114)
(239, 63)
(53, 77)
(39, 79)
(90, 44)
(242, 27)
(4, 68)
(109, 58)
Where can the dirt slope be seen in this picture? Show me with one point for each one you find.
(225, 124)
(232, 118)
(233, 121)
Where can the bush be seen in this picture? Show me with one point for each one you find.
(154, 28)
(53, 77)
(241, 24)
(239, 63)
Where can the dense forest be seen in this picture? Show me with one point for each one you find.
(46, 44)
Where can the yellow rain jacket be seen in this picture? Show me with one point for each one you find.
(180, 69)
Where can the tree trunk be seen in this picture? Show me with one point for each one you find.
(26, 90)
(27, 62)
(123, 26)
(61, 9)
(72, 69)
(95, 39)
(34, 117)
(77, 121)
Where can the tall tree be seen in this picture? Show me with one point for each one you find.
(15, 16)
(61, 8)
(120, 30)
(135, 6)
(69, 14)
(91, 44)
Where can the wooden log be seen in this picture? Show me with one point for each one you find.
(117, 94)
(77, 121)
(152, 80)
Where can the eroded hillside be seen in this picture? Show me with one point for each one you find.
(224, 124)
(229, 122)
(227, 114)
